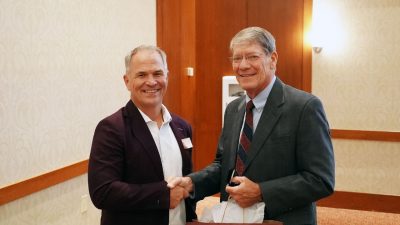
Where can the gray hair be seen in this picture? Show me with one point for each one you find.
(255, 35)
(129, 56)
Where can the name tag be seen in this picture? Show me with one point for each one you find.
(187, 143)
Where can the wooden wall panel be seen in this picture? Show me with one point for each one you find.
(176, 36)
(188, 59)
(168, 37)
(284, 19)
(197, 33)
(307, 48)
(216, 23)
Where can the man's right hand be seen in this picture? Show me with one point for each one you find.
(177, 194)
(185, 182)
(180, 188)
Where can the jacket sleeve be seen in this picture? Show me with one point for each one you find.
(315, 178)
(107, 187)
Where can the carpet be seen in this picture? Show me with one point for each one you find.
(332, 216)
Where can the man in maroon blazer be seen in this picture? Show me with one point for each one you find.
(136, 151)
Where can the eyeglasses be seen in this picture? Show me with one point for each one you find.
(251, 58)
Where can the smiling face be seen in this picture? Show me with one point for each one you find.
(147, 79)
(254, 69)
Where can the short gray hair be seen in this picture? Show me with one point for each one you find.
(129, 56)
(255, 35)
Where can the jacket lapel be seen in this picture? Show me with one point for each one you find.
(179, 135)
(269, 117)
(236, 129)
(142, 133)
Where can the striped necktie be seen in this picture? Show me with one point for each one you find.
(245, 139)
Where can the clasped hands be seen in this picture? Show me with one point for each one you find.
(245, 194)
(180, 189)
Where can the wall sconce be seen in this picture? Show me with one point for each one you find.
(317, 49)
(327, 29)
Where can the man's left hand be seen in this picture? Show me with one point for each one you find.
(246, 193)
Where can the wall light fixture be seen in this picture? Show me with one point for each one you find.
(317, 49)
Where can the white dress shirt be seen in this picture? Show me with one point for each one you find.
(171, 158)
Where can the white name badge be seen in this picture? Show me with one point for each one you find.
(187, 143)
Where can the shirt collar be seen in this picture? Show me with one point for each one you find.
(260, 100)
(166, 115)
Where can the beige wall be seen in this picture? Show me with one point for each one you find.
(61, 67)
(357, 76)
(57, 205)
(61, 64)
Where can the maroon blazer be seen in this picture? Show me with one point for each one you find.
(125, 173)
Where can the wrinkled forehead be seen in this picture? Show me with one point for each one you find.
(246, 47)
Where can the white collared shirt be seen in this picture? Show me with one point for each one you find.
(171, 158)
(259, 103)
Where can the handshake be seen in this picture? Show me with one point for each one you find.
(180, 187)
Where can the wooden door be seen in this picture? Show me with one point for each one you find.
(198, 32)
